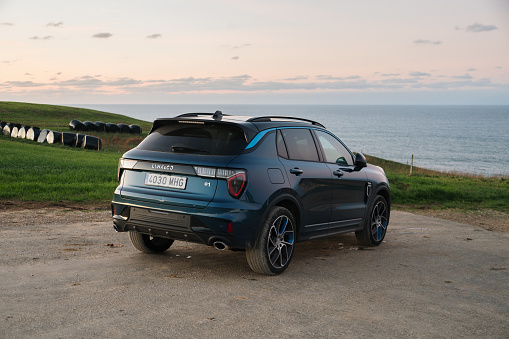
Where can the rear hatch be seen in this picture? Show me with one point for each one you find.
(177, 163)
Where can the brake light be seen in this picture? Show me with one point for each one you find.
(236, 184)
(125, 164)
(236, 179)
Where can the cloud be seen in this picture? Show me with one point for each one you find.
(6, 24)
(451, 85)
(477, 28)
(399, 81)
(235, 46)
(297, 78)
(91, 82)
(10, 61)
(465, 77)
(427, 42)
(191, 80)
(154, 36)
(244, 83)
(24, 84)
(85, 81)
(419, 74)
(28, 74)
(55, 24)
(102, 35)
(123, 82)
(235, 57)
(240, 46)
(328, 77)
(92, 85)
(41, 38)
(389, 74)
(471, 70)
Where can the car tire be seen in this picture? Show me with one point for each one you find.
(274, 247)
(149, 244)
(375, 225)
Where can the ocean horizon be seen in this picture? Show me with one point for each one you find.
(471, 139)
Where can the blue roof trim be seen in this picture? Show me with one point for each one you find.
(261, 134)
(258, 137)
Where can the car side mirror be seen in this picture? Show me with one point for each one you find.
(360, 161)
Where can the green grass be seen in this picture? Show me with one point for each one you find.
(31, 171)
(42, 172)
(433, 189)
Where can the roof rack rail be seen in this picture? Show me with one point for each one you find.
(270, 117)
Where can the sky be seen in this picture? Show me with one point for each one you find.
(255, 52)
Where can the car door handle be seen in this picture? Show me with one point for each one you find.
(338, 173)
(296, 171)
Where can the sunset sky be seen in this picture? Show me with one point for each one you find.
(225, 51)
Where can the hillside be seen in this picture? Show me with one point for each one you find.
(58, 117)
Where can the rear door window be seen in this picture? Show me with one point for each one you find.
(206, 139)
(300, 144)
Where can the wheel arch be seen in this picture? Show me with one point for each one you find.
(290, 203)
(385, 193)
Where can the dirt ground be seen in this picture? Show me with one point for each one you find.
(488, 219)
(65, 273)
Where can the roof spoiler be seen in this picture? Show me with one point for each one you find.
(217, 115)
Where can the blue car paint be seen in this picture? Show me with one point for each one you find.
(247, 213)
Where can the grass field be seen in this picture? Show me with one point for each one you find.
(42, 172)
(30, 171)
(433, 189)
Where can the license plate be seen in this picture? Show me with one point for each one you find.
(162, 180)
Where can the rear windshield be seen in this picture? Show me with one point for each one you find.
(207, 139)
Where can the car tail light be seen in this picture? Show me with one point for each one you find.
(236, 184)
(236, 179)
(125, 164)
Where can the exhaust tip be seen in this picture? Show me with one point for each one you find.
(220, 246)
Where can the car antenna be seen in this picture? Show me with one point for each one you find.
(218, 115)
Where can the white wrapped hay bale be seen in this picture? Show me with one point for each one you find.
(33, 133)
(53, 137)
(91, 142)
(42, 135)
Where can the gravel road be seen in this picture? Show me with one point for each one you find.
(67, 274)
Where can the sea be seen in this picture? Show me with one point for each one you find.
(465, 139)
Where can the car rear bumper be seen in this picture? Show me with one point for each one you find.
(236, 226)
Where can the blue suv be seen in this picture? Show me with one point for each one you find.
(259, 184)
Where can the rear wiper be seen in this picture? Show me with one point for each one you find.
(186, 149)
